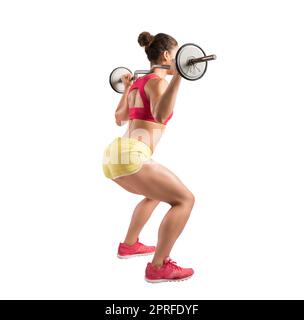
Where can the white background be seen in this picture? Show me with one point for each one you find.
(236, 141)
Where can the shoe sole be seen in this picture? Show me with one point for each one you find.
(134, 255)
(167, 280)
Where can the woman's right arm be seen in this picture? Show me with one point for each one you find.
(163, 96)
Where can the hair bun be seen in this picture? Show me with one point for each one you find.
(145, 39)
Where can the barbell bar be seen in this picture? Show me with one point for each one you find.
(202, 59)
(191, 63)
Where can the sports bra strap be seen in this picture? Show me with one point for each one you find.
(140, 84)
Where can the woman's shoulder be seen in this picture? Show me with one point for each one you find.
(155, 81)
(156, 85)
(153, 78)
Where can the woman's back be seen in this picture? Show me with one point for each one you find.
(142, 125)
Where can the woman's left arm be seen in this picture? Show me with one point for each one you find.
(122, 110)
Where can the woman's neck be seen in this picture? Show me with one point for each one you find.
(159, 71)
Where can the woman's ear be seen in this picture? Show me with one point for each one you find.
(167, 55)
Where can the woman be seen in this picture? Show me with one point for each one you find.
(148, 105)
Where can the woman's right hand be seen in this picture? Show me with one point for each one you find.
(173, 70)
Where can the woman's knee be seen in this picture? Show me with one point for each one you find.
(187, 198)
(190, 198)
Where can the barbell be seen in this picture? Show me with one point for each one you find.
(191, 63)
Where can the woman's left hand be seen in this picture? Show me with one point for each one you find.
(127, 80)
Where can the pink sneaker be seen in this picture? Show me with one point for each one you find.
(137, 249)
(169, 271)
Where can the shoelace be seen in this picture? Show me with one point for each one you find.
(173, 264)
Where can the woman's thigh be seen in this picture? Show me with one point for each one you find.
(126, 186)
(155, 181)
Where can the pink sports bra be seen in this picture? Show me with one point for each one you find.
(143, 113)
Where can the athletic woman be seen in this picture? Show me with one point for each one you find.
(148, 105)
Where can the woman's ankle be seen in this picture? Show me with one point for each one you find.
(157, 264)
(130, 242)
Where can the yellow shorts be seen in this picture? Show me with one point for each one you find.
(124, 156)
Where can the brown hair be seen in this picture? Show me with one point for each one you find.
(155, 45)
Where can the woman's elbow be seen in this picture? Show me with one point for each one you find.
(159, 115)
(160, 118)
(118, 118)
(120, 121)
